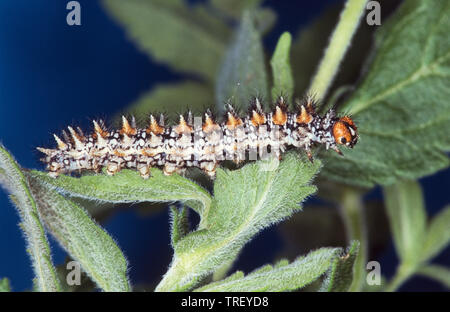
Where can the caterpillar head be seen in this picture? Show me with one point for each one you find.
(345, 132)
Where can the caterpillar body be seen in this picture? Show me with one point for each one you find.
(199, 142)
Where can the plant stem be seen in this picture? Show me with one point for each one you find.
(403, 273)
(12, 178)
(339, 43)
(179, 277)
(353, 215)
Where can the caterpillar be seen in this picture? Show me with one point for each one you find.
(199, 142)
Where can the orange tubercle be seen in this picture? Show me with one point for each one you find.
(183, 127)
(233, 121)
(257, 119)
(127, 128)
(304, 117)
(209, 124)
(154, 127)
(280, 117)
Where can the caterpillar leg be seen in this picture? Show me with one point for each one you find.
(211, 174)
(181, 171)
(54, 169)
(112, 168)
(144, 170)
(53, 174)
(337, 151)
(169, 169)
(209, 167)
(96, 167)
(310, 156)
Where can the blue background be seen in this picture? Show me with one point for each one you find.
(52, 75)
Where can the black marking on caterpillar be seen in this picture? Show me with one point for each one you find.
(199, 142)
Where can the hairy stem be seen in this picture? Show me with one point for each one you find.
(353, 215)
(404, 272)
(339, 43)
(12, 178)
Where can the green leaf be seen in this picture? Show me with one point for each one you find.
(436, 272)
(340, 274)
(173, 99)
(310, 41)
(283, 82)
(401, 107)
(415, 244)
(179, 224)
(243, 73)
(338, 44)
(223, 270)
(438, 235)
(283, 276)
(407, 217)
(13, 180)
(246, 201)
(353, 215)
(308, 46)
(4, 285)
(128, 187)
(82, 238)
(188, 39)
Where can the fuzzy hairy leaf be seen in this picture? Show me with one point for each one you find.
(82, 238)
(223, 270)
(243, 73)
(13, 180)
(4, 285)
(307, 48)
(438, 234)
(128, 187)
(401, 106)
(436, 272)
(407, 216)
(338, 45)
(245, 202)
(340, 274)
(179, 224)
(283, 83)
(188, 39)
(310, 41)
(415, 243)
(283, 276)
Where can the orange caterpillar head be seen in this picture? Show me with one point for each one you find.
(345, 132)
